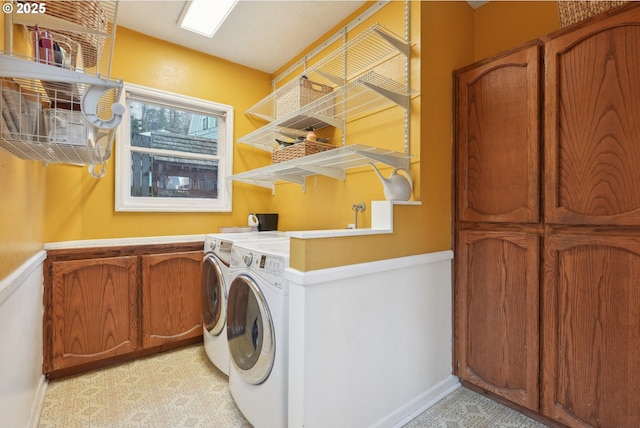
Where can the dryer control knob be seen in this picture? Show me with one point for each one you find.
(247, 259)
(212, 245)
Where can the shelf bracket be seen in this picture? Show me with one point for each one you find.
(399, 99)
(293, 178)
(400, 45)
(328, 171)
(336, 123)
(332, 77)
(393, 161)
(90, 102)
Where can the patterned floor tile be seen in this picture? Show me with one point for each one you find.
(182, 388)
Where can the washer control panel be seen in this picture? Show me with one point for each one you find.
(268, 266)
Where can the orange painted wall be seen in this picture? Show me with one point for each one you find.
(57, 203)
(504, 25)
(22, 190)
(326, 202)
(79, 206)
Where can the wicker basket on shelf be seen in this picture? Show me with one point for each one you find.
(573, 11)
(89, 14)
(298, 93)
(299, 150)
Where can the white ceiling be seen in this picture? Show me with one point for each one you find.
(261, 34)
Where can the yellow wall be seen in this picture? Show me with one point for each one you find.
(64, 203)
(503, 25)
(326, 203)
(22, 192)
(81, 207)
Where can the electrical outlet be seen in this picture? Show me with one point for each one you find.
(351, 226)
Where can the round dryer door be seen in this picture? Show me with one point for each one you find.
(250, 331)
(214, 296)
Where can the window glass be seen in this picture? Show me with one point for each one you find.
(176, 151)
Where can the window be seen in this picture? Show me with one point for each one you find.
(174, 153)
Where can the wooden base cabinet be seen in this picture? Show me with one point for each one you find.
(497, 313)
(168, 297)
(94, 308)
(103, 306)
(591, 328)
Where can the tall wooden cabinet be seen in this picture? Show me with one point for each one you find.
(497, 217)
(591, 293)
(547, 308)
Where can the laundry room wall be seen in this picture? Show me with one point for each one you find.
(22, 191)
(54, 203)
(79, 206)
(441, 35)
(503, 25)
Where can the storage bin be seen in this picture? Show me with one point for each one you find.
(20, 112)
(89, 14)
(298, 93)
(66, 126)
(571, 11)
(298, 150)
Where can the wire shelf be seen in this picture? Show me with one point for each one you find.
(353, 59)
(360, 97)
(332, 163)
(57, 101)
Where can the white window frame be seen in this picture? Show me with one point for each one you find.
(123, 199)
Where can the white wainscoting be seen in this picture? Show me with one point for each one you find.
(370, 344)
(22, 384)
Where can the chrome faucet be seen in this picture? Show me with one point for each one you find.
(357, 208)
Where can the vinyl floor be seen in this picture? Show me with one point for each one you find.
(182, 388)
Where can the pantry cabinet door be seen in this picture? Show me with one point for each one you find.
(496, 313)
(591, 329)
(498, 139)
(171, 309)
(592, 111)
(94, 310)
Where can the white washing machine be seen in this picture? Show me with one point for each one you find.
(214, 288)
(258, 332)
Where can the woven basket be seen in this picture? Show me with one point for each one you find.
(298, 93)
(299, 150)
(89, 14)
(573, 11)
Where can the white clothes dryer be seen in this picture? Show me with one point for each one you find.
(258, 332)
(214, 288)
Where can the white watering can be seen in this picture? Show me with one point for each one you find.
(397, 187)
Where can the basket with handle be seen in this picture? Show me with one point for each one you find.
(298, 93)
(298, 150)
(89, 14)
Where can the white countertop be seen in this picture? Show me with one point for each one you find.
(113, 242)
(333, 233)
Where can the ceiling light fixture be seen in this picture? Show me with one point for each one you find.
(205, 16)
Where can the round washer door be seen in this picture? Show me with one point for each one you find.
(214, 296)
(250, 331)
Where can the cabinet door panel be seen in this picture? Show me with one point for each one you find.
(592, 129)
(497, 313)
(171, 308)
(498, 138)
(591, 327)
(94, 307)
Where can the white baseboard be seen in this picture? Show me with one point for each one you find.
(38, 403)
(412, 409)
